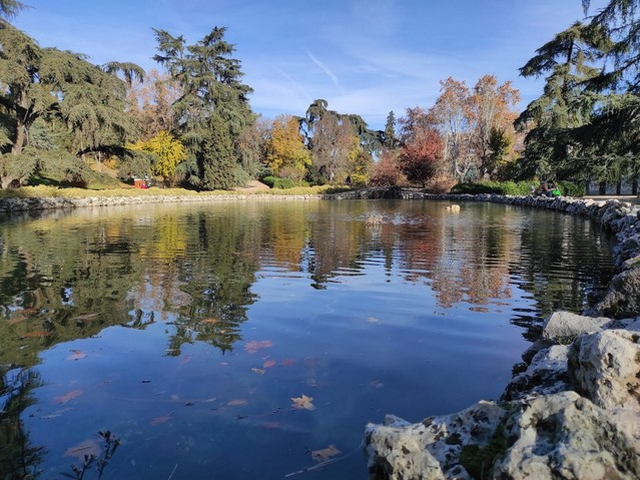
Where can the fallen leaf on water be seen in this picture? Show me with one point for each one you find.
(210, 321)
(373, 320)
(269, 363)
(88, 447)
(259, 371)
(76, 355)
(325, 454)
(303, 403)
(234, 403)
(287, 362)
(253, 346)
(271, 425)
(186, 359)
(57, 413)
(162, 419)
(68, 396)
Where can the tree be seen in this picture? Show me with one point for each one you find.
(149, 102)
(49, 84)
(419, 157)
(390, 141)
(450, 113)
(286, 153)
(213, 108)
(569, 101)
(168, 151)
(386, 172)
(9, 9)
(334, 146)
(491, 115)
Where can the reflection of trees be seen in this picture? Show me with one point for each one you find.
(65, 277)
(19, 459)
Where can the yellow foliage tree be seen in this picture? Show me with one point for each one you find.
(168, 149)
(287, 155)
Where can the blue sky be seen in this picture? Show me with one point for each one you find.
(366, 57)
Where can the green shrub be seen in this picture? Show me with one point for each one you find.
(571, 189)
(277, 182)
(499, 188)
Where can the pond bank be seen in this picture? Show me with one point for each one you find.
(572, 410)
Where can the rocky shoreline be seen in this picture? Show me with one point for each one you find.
(572, 411)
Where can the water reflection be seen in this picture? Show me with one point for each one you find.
(206, 275)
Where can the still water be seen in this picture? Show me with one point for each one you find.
(254, 340)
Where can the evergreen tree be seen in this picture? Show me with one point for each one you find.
(213, 109)
(569, 62)
(56, 86)
(390, 140)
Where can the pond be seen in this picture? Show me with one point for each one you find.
(255, 339)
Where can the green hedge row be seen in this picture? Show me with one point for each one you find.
(569, 189)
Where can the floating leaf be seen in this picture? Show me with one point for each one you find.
(210, 321)
(186, 359)
(76, 355)
(57, 413)
(259, 371)
(253, 346)
(88, 448)
(162, 419)
(303, 403)
(68, 396)
(288, 362)
(325, 454)
(234, 403)
(269, 363)
(373, 320)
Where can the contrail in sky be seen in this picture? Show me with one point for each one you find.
(326, 70)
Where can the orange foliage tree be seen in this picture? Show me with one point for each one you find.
(286, 153)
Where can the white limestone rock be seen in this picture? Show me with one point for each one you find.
(565, 436)
(429, 450)
(605, 367)
(566, 325)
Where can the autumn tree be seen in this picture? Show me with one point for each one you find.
(168, 151)
(150, 101)
(451, 114)
(286, 154)
(492, 111)
(213, 109)
(420, 155)
(386, 171)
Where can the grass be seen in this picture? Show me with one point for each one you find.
(44, 191)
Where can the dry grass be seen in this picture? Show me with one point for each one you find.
(48, 192)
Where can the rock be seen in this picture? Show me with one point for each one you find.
(605, 367)
(431, 449)
(546, 374)
(622, 298)
(565, 326)
(565, 436)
